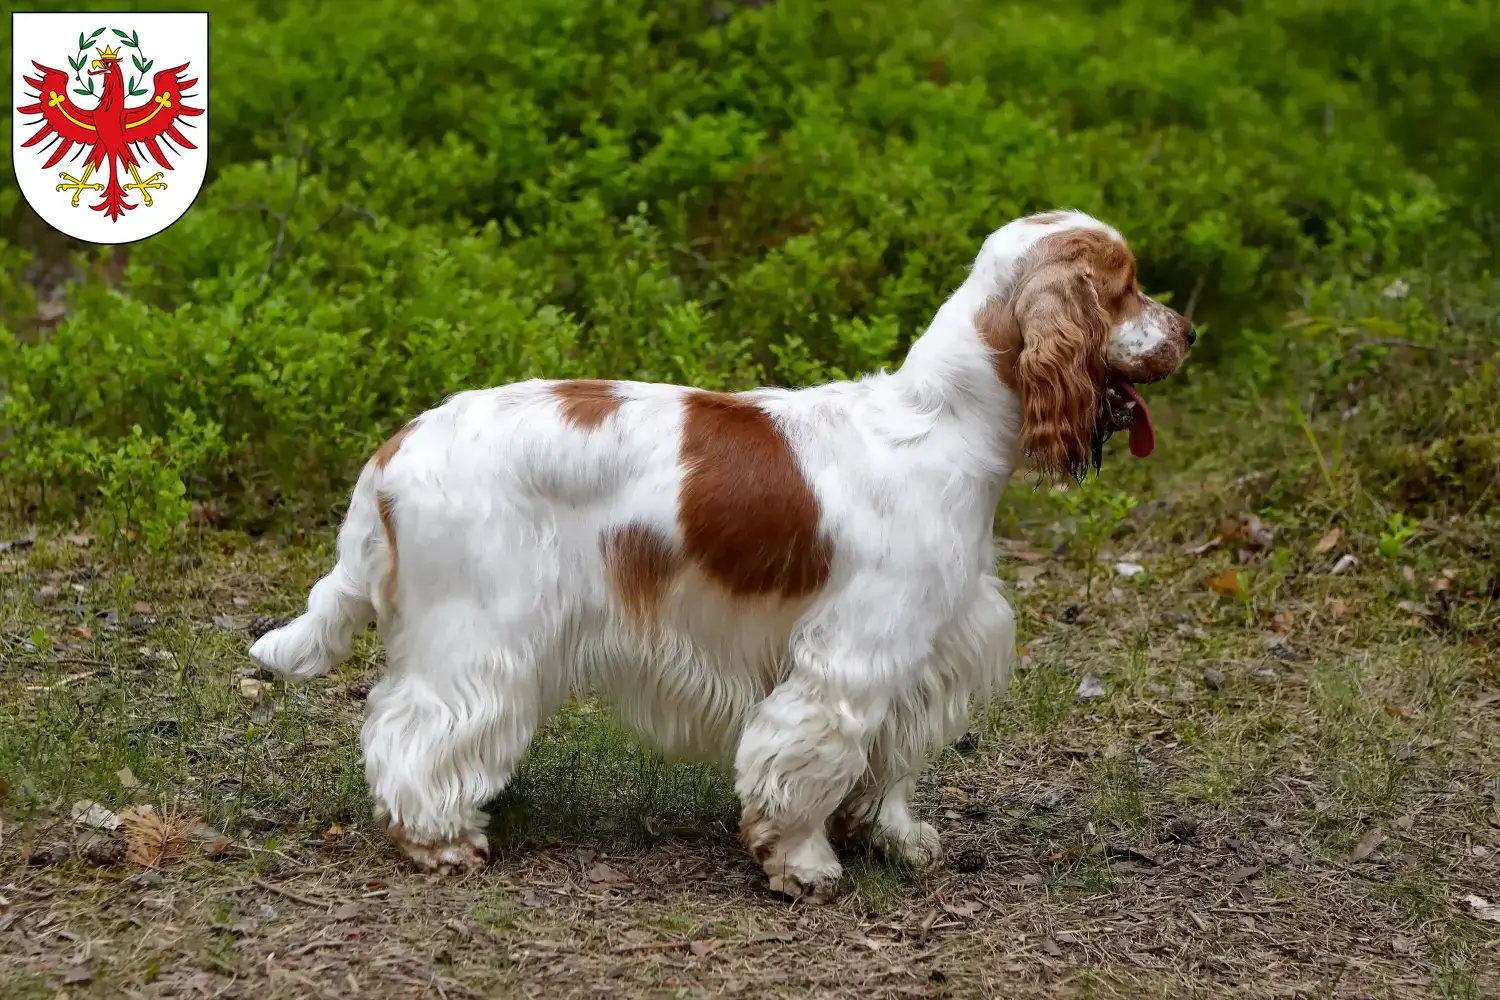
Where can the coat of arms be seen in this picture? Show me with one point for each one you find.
(121, 131)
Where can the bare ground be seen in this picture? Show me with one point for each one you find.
(1288, 787)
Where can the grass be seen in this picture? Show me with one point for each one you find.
(1191, 832)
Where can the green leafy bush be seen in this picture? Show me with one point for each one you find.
(406, 202)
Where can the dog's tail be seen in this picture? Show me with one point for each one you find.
(341, 603)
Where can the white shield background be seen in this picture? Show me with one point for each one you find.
(168, 40)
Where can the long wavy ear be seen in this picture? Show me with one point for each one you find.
(1061, 368)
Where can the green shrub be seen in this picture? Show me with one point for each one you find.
(405, 202)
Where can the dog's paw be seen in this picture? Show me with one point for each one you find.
(463, 856)
(813, 889)
(919, 845)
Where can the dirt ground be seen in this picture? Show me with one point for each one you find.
(1196, 789)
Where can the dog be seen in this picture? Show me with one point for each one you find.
(800, 581)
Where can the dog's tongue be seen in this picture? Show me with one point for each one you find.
(1142, 433)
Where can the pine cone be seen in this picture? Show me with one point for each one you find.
(261, 624)
(970, 861)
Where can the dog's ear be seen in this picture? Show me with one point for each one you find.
(1061, 367)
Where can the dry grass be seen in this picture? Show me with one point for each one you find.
(1283, 791)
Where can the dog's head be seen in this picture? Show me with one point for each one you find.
(1072, 333)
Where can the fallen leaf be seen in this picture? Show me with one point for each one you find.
(1441, 583)
(1065, 937)
(1283, 620)
(1213, 679)
(1029, 574)
(334, 832)
(1241, 874)
(1090, 687)
(1412, 607)
(1030, 556)
(1404, 823)
(961, 909)
(93, 814)
(1409, 575)
(252, 688)
(1338, 608)
(80, 632)
(1402, 712)
(603, 874)
(77, 975)
(701, 948)
(1329, 540)
(1366, 846)
(141, 608)
(1401, 945)
(82, 541)
(1345, 564)
(1228, 583)
(127, 778)
(1483, 908)
(1129, 568)
(1051, 947)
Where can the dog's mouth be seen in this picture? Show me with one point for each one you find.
(1122, 408)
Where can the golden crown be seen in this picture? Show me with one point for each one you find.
(108, 53)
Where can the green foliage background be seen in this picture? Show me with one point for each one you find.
(408, 200)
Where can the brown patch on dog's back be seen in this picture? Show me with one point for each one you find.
(1046, 218)
(587, 403)
(641, 564)
(749, 519)
(387, 451)
(386, 505)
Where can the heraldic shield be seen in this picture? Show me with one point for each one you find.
(110, 136)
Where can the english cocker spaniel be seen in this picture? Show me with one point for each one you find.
(798, 581)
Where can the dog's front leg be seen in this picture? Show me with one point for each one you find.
(801, 752)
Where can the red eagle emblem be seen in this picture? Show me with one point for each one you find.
(111, 133)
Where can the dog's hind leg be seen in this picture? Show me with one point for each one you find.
(443, 738)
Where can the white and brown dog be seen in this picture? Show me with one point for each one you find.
(798, 581)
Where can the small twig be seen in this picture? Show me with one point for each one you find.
(313, 946)
(650, 946)
(1192, 301)
(70, 679)
(284, 218)
(33, 893)
(289, 894)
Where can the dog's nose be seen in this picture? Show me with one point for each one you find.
(1192, 335)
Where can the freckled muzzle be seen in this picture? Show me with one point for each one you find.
(1121, 407)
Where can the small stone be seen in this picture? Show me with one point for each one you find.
(46, 857)
(1090, 687)
(46, 595)
(1182, 828)
(1213, 679)
(970, 862)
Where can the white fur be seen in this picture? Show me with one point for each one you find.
(503, 607)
